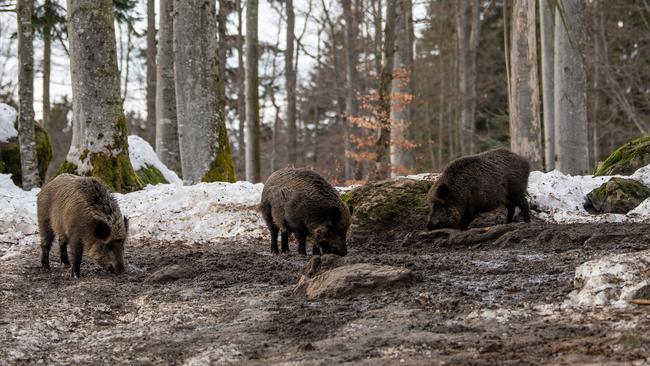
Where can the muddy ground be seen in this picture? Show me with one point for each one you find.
(481, 297)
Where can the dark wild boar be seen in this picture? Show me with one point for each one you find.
(479, 183)
(301, 202)
(82, 214)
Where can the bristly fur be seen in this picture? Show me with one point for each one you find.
(80, 211)
(302, 202)
(479, 183)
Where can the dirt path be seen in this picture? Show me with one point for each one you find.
(480, 299)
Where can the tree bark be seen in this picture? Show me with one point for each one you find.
(99, 141)
(26, 134)
(382, 159)
(222, 49)
(241, 88)
(525, 121)
(47, 62)
(203, 137)
(351, 104)
(290, 75)
(546, 29)
(467, 33)
(570, 91)
(166, 122)
(400, 113)
(151, 65)
(252, 95)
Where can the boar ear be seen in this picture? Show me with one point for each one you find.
(335, 215)
(102, 230)
(126, 224)
(442, 191)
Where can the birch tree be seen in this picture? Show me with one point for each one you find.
(570, 93)
(546, 36)
(525, 119)
(400, 113)
(151, 64)
(290, 80)
(252, 95)
(166, 122)
(26, 134)
(99, 138)
(202, 133)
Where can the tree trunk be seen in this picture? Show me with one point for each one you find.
(99, 141)
(400, 113)
(47, 62)
(525, 122)
(26, 135)
(382, 159)
(570, 91)
(252, 95)
(467, 33)
(290, 75)
(546, 29)
(351, 104)
(241, 89)
(151, 65)
(166, 123)
(222, 50)
(203, 137)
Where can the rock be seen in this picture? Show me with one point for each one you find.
(349, 279)
(627, 159)
(618, 195)
(167, 274)
(151, 175)
(611, 280)
(388, 204)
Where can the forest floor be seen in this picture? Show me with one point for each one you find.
(477, 300)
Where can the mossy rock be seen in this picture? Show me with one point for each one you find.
(151, 175)
(10, 156)
(386, 205)
(627, 158)
(618, 195)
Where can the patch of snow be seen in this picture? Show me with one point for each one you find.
(18, 226)
(142, 154)
(611, 280)
(7, 120)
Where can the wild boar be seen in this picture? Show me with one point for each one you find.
(82, 214)
(479, 183)
(301, 202)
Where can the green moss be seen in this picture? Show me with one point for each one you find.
(618, 195)
(66, 168)
(388, 204)
(627, 159)
(222, 168)
(151, 175)
(10, 156)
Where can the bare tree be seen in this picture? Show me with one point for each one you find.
(26, 135)
(151, 65)
(47, 61)
(166, 122)
(99, 142)
(203, 137)
(241, 89)
(252, 95)
(290, 79)
(351, 104)
(525, 119)
(570, 92)
(400, 113)
(546, 35)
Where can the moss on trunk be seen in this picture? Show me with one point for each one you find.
(115, 171)
(627, 159)
(222, 168)
(10, 156)
(151, 175)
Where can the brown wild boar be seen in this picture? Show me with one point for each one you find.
(479, 183)
(301, 202)
(82, 214)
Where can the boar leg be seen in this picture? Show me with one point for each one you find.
(301, 235)
(63, 250)
(77, 250)
(47, 236)
(511, 212)
(525, 209)
(315, 250)
(285, 242)
(274, 238)
(467, 218)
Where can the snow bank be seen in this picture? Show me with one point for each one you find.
(142, 154)
(7, 120)
(611, 280)
(17, 217)
(190, 213)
